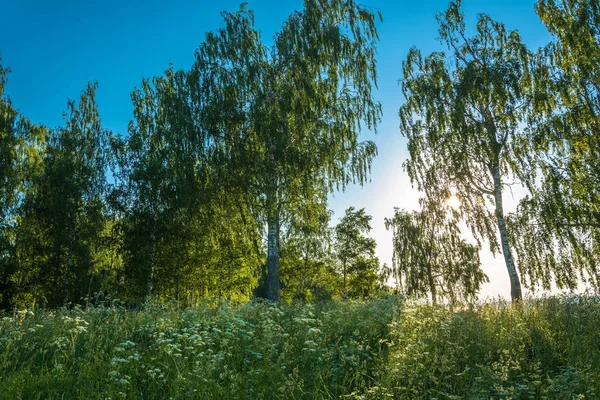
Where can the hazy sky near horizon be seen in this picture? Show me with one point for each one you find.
(55, 47)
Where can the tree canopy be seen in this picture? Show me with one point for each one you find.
(356, 253)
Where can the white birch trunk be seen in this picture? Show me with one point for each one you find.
(515, 283)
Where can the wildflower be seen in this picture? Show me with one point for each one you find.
(116, 360)
(314, 331)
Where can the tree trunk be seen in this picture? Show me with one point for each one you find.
(67, 276)
(89, 291)
(429, 260)
(303, 278)
(344, 273)
(431, 284)
(515, 283)
(273, 257)
(150, 282)
(67, 282)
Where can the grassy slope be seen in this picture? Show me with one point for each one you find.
(539, 349)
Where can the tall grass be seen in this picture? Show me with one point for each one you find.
(213, 351)
(538, 349)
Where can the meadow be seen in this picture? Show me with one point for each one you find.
(376, 349)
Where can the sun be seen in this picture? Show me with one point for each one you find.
(453, 202)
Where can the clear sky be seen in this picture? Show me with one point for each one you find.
(55, 47)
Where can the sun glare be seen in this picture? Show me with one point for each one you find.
(453, 202)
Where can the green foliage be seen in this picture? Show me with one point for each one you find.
(431, 258)
(62, 216)
(212, 351)
(185, 231)
(541, 349)
(356, 253)
(561, 154)
(21, 146)
(285, 120)
(307, 262)
(463, 111)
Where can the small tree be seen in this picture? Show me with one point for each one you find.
(431, 258)
(306, 253)
(356, 253)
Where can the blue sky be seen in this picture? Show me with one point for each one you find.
(55, 47)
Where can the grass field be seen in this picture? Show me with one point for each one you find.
(379, 349)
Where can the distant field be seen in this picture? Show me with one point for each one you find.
(541, 349)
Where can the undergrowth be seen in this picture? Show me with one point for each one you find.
(212, 351)
(379, 349)
(537, 349)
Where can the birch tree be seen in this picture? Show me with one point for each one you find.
(187, 231)
(286, 118)
(561, 218)
(62, 217)
(463, 109)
